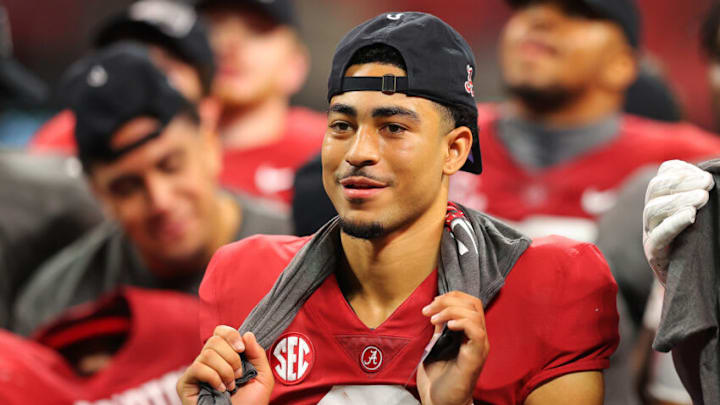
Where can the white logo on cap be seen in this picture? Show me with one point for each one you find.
(97, 77)
(174, 19)
(395, 16)
(469, 84)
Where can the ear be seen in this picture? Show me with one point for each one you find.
(296, 68)
(621, 69)
(458, 143)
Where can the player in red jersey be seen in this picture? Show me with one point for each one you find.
(398, 128)
(177, 42)
(557, 151)
(261, 64)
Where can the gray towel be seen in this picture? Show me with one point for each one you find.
(689, 323)
(477, 253)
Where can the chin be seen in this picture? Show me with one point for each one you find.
(363, 229)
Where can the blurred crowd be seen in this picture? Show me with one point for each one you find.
(181, 130)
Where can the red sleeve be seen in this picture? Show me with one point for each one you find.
(56, 135)
(579, 326)
(693, 144)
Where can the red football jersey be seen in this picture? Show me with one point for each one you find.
(266, 171)
(567, 198)
(555, 315)
(162, 342)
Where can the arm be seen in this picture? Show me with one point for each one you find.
(577, 388)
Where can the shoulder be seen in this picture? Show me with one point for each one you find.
(678, 140)
(256, 260)
(55, 283)
(566, 266)
(56, 135)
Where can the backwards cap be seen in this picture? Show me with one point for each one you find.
(440, 64)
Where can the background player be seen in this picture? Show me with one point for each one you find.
(152, 159)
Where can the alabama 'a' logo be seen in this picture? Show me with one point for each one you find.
(469, 83)
(371, 359)
(291, 358)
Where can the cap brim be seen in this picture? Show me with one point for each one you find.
(18, 85)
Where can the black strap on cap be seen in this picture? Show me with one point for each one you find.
(388, 84)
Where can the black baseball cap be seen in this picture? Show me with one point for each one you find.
(440, 64)
(109, 88)
(622, 12)
(17, 84)
(169, 24)
(280, 11)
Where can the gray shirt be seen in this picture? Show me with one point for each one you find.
(105, 258)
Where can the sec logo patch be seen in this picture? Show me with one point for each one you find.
(371, 359)
(291, 358)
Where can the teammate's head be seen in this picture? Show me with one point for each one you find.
(176, 38)
(259, 53)
(401, 120)
(554, 52)
(152, 158)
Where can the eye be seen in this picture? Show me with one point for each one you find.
(172, 163)
(125, 186)
(340, 126)
(394, 129)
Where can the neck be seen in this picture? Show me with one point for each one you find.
(382, 273)
(588, 107)
(249, 126)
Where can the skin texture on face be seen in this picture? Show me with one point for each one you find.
(181, 74)
(546, 47)
(163, 193)
(257, 58)
(386, 158)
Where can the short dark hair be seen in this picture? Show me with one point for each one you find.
(461, 116)
(709, 39)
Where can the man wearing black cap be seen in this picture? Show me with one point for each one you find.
(177, 42)
(262, 62)
(153, 164)
(404, 296)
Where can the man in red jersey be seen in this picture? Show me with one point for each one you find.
(103, 352)
(261, 64)
(557, 151)
(404, 281)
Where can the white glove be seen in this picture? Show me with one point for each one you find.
(673, 197)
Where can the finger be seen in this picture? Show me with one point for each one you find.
(676, 176)
(453, 298)
(213, 360)
(660, 208)
(255, 353)
(659, 239)
(457, 313)
(474, 331)
(227, 352)
(231, 335)
(200, 372)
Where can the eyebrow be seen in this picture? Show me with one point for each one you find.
(394, 110)
(343, 109)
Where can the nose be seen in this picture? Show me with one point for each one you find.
(158, 193)
(364, 150)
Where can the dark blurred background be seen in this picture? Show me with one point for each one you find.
(49, 35)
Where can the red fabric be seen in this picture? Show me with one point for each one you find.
(32, 374)
(507, 190)
(266, 171)
(555, 315)
(162, 342)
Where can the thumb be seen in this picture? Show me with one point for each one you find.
(256, 354)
